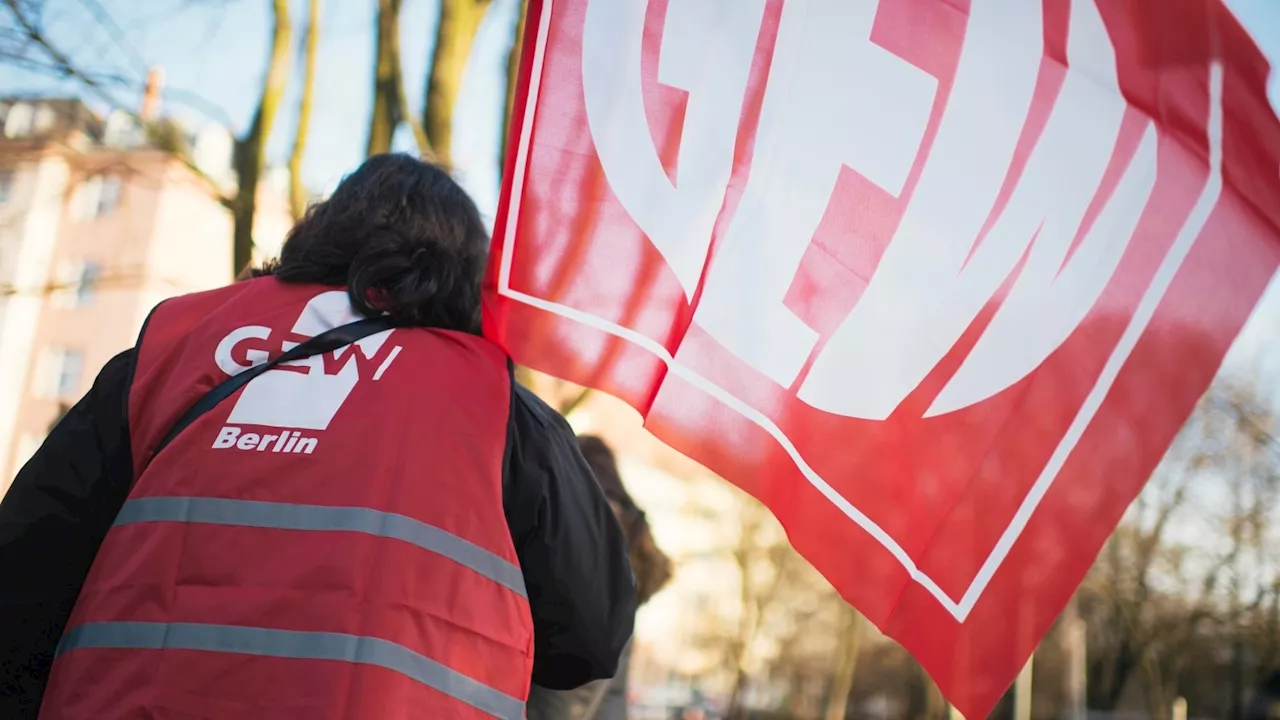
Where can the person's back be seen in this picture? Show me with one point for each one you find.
(364, 533)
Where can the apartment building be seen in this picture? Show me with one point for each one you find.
(97, 225)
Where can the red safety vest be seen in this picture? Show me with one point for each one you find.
(327, 543)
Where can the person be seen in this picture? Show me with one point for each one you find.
(607, 699)
(1264, 701)
(389, 529)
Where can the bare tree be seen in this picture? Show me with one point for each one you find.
(759, 579)
(562, 395)
(390, 106)
(846, 663)
(386, 79)
(297, 190)
(27, 45)
(513, 80)
(455, 34)
(251, 149)
(1191, 567)
(781, 622)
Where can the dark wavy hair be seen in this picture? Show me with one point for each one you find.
(402, 237)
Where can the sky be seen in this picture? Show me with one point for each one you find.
(214, 51)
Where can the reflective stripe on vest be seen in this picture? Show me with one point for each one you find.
(286, 516)
(296, 645)
(308, 645)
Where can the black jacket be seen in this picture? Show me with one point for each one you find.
(63, 501)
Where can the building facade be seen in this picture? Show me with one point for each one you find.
(97, 226)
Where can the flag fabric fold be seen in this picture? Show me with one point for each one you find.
(937, 281)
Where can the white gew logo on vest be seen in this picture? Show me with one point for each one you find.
(303, 394)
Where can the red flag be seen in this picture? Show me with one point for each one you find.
(935, 280)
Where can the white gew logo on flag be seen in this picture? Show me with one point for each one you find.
(834, 98)
(305, 393)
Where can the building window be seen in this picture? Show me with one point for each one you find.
(87, 282)
(58, 373)
(75, 284)
(96, 196)
(109, 197)
(45, 117)
(6, 185)
(17, 123)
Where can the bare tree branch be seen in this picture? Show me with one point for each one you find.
(386, 80)
(513, 79)
(297, 190)
(251, 150)
(390, 103)
(455, 34)
(63, 66)
(104, 19)
(116, 279)
(574, 402)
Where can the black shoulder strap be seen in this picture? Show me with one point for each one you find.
(326, 341)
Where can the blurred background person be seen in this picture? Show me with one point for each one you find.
(1265, 703)
(607, 699)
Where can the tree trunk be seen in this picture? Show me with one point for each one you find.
(390, 106)
(1022, 691)
(297, 190)
(243, 209)
(737, 709)
(251, 150)
(846, 663)
(525, 376)
(1237, 680)
(1110, 683)
(572, 403)
(747, 529)
(455, 33)
(406, 114)
(1074, 651)
(386, 79)
(513, 79)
